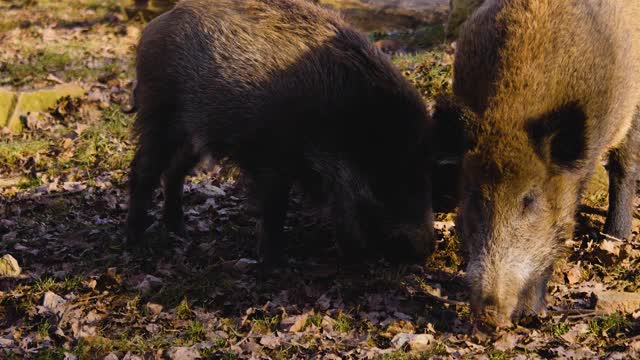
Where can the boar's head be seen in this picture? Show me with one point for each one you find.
(519, 187)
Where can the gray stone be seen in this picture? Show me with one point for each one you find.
(40, 101)
(9, 266)
(609, 302)
(7, 102)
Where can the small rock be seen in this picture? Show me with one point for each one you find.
(69, 356)
(184, 353)
(416, 342)
(148, 284)
(53, 303)
(245, 265)
(130, 356)
(400, 340)
(9, 266)
(154, 309)
(111, 356)
(324, 302)
(9, 237)
(421, 342)
(608, 302)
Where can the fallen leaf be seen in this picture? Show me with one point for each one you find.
(574, 275)
(270, 341)
(506, 342)
(299, 323)
(184, 353)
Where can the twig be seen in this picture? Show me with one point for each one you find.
(85, 301)
(575, 314)
(613, 238)
(250, 334)
(443, 300)
(581, 316)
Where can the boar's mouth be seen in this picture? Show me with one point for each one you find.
(497, 290)
(498, 301)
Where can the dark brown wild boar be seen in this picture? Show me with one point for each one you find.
(544, 89)
(293, 95)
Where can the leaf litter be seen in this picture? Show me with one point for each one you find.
(81, 293)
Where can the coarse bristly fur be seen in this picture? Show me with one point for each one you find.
(290, 93)
(543, 88)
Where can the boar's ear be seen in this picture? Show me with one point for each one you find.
(452, 135)
(560, 136)
(452, 138)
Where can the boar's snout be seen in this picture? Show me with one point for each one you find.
(495, 292)
(490, 312)
(413, 241)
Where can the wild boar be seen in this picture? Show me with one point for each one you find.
(543, 89)
(291, 94)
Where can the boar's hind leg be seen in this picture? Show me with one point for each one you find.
(147, 166)
(623, 173)
(272, 191)
(173, 181)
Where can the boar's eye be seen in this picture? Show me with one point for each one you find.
(528, 201)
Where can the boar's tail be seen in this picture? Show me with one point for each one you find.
(133, 103)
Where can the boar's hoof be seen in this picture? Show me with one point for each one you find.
(136, 226)
(271, 258)
(423, 246)
(410, 248)
(178, 228)
(269, 255)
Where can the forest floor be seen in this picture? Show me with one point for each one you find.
(83, 294)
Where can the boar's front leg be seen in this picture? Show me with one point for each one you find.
(348, 233)
(272, 191)
(173, 183)
(623, 173)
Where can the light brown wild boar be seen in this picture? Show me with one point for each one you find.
(292, 95)
(544, 88)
